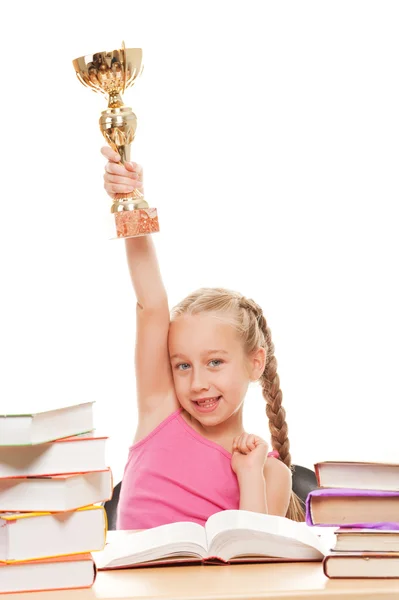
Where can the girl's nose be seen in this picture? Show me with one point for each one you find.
(199, 382)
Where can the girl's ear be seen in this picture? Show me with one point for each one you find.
(257, 363)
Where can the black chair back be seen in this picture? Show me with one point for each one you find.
(111, 507)
(303, 482)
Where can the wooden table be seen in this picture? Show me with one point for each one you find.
(231, 582)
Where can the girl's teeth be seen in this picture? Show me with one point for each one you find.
(205, 402)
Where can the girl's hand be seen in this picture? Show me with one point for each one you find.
(120, 179)
(249, 454)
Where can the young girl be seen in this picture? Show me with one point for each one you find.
(191, 456)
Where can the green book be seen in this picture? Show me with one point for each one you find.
(45, 426)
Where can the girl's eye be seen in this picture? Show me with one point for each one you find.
(181, 365)
(215, 360)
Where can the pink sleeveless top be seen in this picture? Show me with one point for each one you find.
(175, 474)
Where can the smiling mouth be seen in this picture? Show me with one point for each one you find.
(207, 404)
(207, 401)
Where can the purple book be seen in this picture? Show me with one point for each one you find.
(348, 492)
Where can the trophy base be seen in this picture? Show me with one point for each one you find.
(134, 223)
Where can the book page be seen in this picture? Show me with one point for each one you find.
(241, 532)
(247, 520)
(175, 539)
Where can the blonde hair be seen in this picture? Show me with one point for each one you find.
(247, 318)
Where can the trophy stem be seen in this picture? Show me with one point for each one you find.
(115, 101)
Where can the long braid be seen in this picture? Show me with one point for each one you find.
(274, 398)
(275, 411)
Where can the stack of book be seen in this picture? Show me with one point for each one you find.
(362, 501)
(53, 478)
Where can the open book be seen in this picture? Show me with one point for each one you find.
(228, 536)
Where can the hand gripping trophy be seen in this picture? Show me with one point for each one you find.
(111, 73)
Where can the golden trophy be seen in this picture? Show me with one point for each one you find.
(110, 74)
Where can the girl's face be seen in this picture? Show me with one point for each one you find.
(210, 370)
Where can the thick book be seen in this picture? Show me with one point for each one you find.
(55, 493)
(229, 536)
(76, 454)
(360, 565)
(62, 573)
(358, 475)
(30, 536)
(366, 540)
(372, 509)
(46, 426)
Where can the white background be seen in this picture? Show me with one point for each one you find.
(268, 133)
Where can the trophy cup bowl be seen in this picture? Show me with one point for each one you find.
(110, 74)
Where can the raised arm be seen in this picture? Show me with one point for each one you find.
(154, 382)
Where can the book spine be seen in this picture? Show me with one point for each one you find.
(324, 564)
(317, 473)
(308, 511)
(214, 560)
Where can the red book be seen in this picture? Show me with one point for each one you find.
(77, 454)
(55, 493)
